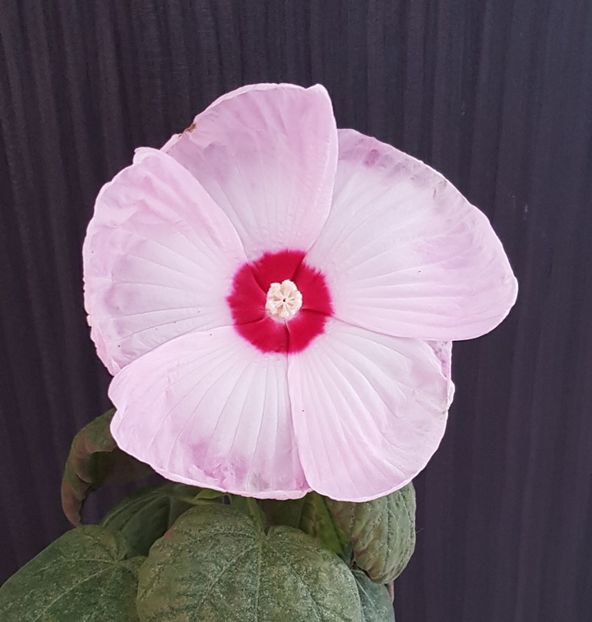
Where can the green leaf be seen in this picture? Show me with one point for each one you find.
(376, 602)
(311, 515)
(209, 495)
(287, 513)
(217, 564)
(94, 458)
(84, 575)
(382, 532)
(317, 521)
(145, 516)
(250, 507)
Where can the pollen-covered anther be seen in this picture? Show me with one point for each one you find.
(283, 300)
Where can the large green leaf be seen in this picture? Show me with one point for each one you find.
(376, 602)
(84, 575)
(144, 517)
(311, 515)
(382, 532)
(217, 564)
(94, 457)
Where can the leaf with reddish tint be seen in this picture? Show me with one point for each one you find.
(93, 459)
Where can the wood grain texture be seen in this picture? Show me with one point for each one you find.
(495, 94)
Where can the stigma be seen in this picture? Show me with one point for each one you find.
(283, 300)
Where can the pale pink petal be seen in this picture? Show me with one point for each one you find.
(159, 258)
(405, 253)
(210, 410)
(267, 155)
(369, 410)
(443, 351)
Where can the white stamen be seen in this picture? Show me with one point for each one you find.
(283, 300)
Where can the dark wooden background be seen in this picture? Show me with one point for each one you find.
(496, 94)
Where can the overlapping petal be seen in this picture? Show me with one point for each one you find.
(405, 253)
(267, 155)
(369, 410)
(159, 258)
(443, 352)
(208, 409)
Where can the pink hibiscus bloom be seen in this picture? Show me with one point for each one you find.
(276, 299)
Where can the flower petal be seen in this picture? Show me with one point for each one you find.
(209, 409)
(443, 352)
(405, 253)
(159, 258)
(369, 410)
(267, 155)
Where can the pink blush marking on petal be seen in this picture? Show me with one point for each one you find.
(248, 296)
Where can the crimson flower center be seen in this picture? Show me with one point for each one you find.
(278, 303)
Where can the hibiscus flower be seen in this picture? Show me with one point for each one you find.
(276, 299)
